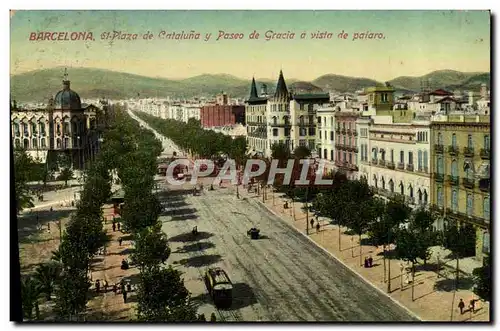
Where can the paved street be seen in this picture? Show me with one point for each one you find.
(281, 277)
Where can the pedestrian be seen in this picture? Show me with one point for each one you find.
(129, 287)
(471, 305)
(124, 293)
(312, 222)
(48, 227)
(97, 285)
(317, 227)
(120, 240)
(370, 261)
(114, 226)
(461, 306)
(366, 262)
(119, 226)
(51, 209)
(106, 285)
(115, 288)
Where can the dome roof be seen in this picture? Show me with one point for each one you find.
(67, 98)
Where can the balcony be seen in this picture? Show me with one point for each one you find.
(281, 125)
(401, 166)
(390, 165)
(339, 146)
(439, 177)
(453, 180)
(485, 153)
(337, 130)
(468, 182)
(409, 167)
(374, 161)
(467, 217)
(484, 184)
(438, 148)
(343, 131)
(381, 163)
(452, 150)
(355, 133)
(468, 151)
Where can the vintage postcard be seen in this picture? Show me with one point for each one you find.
(251, 166)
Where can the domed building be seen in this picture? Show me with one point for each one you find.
(66, 127)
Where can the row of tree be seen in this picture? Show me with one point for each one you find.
(161, 293)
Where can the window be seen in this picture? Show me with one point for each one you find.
(58, 129)
(331, 155)
(42, 142)
(338, 156)
(25, 129)
(439, 197)
(275, 120)
(470, 204)
(34, 143)
(410, 157)
(419, 160)
(486, 208)
(440, 165)
(275, 132)
(375, 181)
(486, 142)
(454, 200)
(374, 151)
(66, 128)
(344, 157)
(287, 132)
(383, 183)
(33, 128)
(301, 120)
(401, 157)
(331, 135)
(325, 153)
(320, 135)
(402, 188)
(425, 197)
(301, 106)
(469, 142)
(344, 140)
(384, 97)
(26, 143)
(17, 143)
(391, 186)
(426, 161)
(392, 155)
(440, 139)
(16, 130)
(310, 107)
(350, 158)
(349, 125)
(410, 189)
(454, 140)
(343, 125)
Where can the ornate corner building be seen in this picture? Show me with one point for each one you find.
(64, 127)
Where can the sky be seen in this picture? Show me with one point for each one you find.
(415, 43)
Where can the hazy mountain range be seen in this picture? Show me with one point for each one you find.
(39, 85)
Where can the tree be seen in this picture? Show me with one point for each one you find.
(410, 246)
(29, 296)
(65, 175)
(302, 152)
(71, 294)
(162, 297)
(482, 279)
(151, 247)
(46, 276)
(421, 222)
(23, 167)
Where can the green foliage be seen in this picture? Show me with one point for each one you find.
(482, 279)
(302, 152)
(45, 276)
(460, 239)
(24, 166)
(151, 247)
(162, 297)
(65, 175)
(29, 295)
(411, 245)
(71, 294)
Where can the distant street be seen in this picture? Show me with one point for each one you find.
(281, 277)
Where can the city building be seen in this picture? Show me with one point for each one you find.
(326, 137)
(460, 161)
(221, 113)
(282, 117)
(346, 144)
(64, 127)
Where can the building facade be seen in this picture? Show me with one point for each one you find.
(461, 173)
(221, 113)
(346, 144)
(65, 127)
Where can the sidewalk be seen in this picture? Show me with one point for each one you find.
(434, 295)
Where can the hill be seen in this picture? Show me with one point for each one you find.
(39, 85)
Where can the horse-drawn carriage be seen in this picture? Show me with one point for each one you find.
(253, 233)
